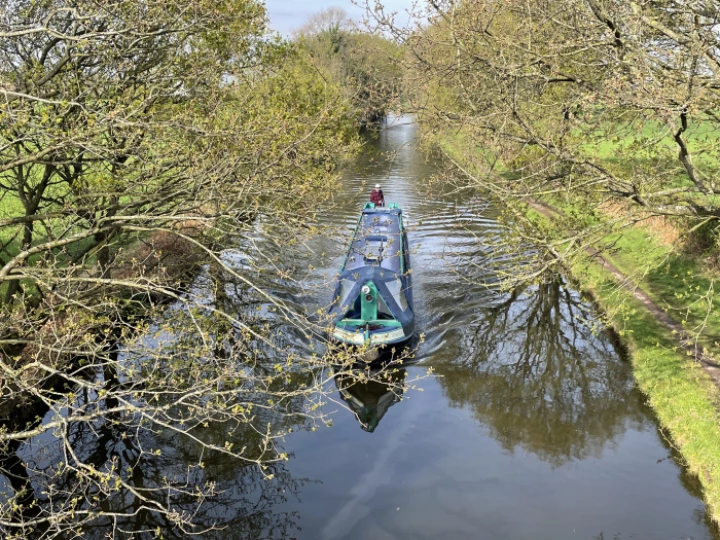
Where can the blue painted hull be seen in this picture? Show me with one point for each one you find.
(377, 266)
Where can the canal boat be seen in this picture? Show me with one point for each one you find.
(372, 304)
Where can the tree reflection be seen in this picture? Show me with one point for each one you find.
(543, 375)
(128, 459)
(237, 501)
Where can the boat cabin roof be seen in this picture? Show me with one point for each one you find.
(377, 241)
(376, 254)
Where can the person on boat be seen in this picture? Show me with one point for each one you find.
(377, 197)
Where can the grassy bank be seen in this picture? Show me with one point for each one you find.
(680, 391)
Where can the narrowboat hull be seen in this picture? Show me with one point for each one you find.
(372, 305)
(373, 338)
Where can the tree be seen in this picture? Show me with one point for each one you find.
(364, 64)
(331, 23)
(600, 105)
(541, 379)
(139, 143)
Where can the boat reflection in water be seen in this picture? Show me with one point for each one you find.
(370, 399)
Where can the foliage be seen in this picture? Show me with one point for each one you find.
(606, 109)
(609, 101)
(366, 65)
(138, 142)
(682, 395)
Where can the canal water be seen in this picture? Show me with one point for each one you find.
(529, 426)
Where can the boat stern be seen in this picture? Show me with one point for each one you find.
(369, 334)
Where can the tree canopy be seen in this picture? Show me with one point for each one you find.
(140, 143)
(366, 65)
(598, 105)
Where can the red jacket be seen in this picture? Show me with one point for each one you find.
(377, 197)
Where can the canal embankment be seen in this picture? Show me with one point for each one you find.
(658, 298)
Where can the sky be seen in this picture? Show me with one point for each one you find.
(287, 15)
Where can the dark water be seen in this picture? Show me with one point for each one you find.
(530, 426)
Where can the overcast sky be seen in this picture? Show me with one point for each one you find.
(286, 15)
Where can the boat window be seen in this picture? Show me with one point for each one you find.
(346, 287)
(383, 312)
(395, 288)
(355, 310)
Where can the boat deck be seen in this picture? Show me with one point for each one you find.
(377, 242)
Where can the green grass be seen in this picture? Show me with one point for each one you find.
(677, 282)
(46, 230)
(649, 148)
(682, 395)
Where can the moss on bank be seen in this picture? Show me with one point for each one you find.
(680, 391)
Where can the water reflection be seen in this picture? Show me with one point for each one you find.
(532, 368)
(160, 475)
(370, 400)
(543, 375)
(528, 382)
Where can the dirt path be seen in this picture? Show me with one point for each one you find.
(711, 366)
